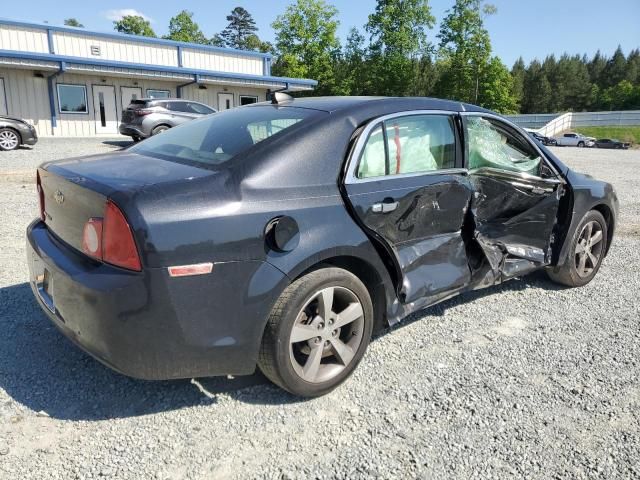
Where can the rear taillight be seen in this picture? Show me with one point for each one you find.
(110, 239)
(143, 111)
(40, 195)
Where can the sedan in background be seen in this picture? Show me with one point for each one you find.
(282, 236)
(612, 143)
(574, 140)
(149, 116)
(15, 132)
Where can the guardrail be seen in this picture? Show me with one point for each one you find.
(556, 123)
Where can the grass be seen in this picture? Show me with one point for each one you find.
(626, 133)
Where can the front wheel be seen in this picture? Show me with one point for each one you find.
(9, 139)
(580, 144)
(317, 332)
(588, 247)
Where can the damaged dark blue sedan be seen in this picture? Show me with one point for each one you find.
(281, 235)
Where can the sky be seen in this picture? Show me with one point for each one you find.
(520, 28)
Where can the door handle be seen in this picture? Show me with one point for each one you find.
(534, 188)
(384, 207)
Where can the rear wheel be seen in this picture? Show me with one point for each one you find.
(159, 129)
(9, 139)
(317, 332)
(135, 138)
(588, 246)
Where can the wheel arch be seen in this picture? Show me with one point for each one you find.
(606, 212)
(367, 274)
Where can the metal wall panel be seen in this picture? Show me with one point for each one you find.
(78, 45)
(209, 96)
(23, 39)
(221, 62)
(27, 98)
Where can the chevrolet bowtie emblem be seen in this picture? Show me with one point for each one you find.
(58, 197)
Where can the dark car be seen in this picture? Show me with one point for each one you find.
(543, 139)
(611, 143)
(15, 132)
(150, 116)
(282, 235)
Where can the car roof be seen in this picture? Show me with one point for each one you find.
(336, 104)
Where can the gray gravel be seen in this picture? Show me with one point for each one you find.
(525, 380)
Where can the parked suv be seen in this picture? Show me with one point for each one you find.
(147, 116)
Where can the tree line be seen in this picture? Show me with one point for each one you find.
(395, 54)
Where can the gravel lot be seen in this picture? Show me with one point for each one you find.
(525, 380)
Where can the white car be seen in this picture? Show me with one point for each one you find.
(575, 140)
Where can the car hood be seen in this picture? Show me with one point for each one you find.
(123, 171)
(12, 119)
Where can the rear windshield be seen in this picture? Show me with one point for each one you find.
(217, 138)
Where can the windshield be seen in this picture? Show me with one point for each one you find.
(215, 139)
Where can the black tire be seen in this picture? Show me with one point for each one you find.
(135, 138)
(567, 274)
(580, 144)
(159, 129)
(9, 139)
(276, 357)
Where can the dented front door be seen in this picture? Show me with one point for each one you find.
(407, 189)
(515, 202)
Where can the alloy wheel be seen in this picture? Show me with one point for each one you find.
(589, 248)
(326, 335)
(8, 140)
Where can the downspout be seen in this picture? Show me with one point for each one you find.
(52, 102)
(196, 79)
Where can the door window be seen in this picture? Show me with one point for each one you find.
(492, 144)
(409, 145)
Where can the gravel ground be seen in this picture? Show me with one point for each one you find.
(525, 380)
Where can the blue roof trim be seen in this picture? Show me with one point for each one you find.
(133, 38)
(155, 68)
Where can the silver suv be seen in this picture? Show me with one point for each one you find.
(150, 116)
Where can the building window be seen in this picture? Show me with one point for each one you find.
(72, 98)
(248, 99)
(158, 93)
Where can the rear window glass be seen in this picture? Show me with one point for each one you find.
(217, 138)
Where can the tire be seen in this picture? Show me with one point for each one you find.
(135, 138)
(570, 273)
(159, 129)
(580, 144)
(289, 364)
(9, 139)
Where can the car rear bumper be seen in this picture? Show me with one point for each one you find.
(131, 131)
(146, 324)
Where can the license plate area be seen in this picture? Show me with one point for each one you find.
(45, 292)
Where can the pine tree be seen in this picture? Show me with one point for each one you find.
(241, 27)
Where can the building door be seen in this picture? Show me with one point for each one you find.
(225, 101)
(104, 109)
(3, 98)
(129, 93)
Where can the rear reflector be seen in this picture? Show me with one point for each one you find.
(188, 270)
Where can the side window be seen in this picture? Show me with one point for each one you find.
(411, 144)
(199, 108)
(179, 107)
(494, 145)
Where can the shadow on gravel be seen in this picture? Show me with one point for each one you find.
(42, 370)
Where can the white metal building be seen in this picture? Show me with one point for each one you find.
(71, 82)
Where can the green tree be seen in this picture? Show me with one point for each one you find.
(134, 25)
(398, 38)
(73, 22)
(537, 97)
(182, 28)
(616, 69)
(307, 44)
(241, 27)
(465, 47)
(254, 43)
(518, 72)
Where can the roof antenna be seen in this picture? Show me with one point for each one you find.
(278, 96)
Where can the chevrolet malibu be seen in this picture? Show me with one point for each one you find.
(281, 235)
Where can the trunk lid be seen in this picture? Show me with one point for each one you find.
(76, 190)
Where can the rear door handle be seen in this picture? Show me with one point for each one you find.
(384, 207)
